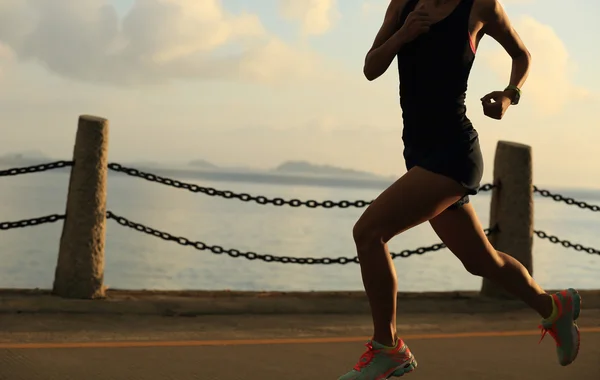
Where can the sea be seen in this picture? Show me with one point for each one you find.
(135, 260)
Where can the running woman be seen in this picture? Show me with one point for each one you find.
(435, 42)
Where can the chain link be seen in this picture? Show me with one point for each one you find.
(566, 243)
(243, 196)
(4, 226)
(486, 187)
(567, 200)
(35, 168)
(234, 253)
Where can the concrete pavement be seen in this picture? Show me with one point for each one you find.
(497, 346)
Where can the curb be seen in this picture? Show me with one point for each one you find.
(196, 303)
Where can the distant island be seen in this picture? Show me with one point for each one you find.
(290, 167)
(292, 173)
(24, 159)
(202, 164)
(303, 167)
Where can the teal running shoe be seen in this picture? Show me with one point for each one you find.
(563, 327)
(380, 362)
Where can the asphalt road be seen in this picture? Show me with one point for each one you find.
(453, 347)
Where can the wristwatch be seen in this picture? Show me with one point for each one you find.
(517, 96)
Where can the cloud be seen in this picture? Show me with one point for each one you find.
(276, 60)
(549, 86)
(6, 58)
(315, 16)
(378, 7)
(157, 41)
(370, 7)
(519, 2)
(5, 52)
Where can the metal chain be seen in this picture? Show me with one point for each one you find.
(567, 200)
(258, 199)
(234, 253)
(243, 196)
(566, 243)
(4, 226)
(35, 168)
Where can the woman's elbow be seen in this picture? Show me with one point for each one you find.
(369, 74)
(368, 70)
(524, 55)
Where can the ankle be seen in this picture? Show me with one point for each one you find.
(546, 307)
(387, 340)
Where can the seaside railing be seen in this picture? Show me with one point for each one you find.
(80, 267)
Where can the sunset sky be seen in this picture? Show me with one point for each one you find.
(259, 82)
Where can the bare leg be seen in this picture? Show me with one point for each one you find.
(415, 198)
(462, 233)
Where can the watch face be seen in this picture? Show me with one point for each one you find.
(516, 98)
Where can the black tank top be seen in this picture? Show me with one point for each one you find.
(434, 70)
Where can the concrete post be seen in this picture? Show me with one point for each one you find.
(512, 208)
(80, 268)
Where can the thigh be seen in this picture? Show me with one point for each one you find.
(416, 197)
(462, 232)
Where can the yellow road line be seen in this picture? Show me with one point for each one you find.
(245, 342)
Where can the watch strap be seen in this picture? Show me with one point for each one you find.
(517, 91)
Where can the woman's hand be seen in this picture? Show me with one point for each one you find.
(417, 23)
(495, 104)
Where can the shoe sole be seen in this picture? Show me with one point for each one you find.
(576, 303)
(408, 368)
(576, 312)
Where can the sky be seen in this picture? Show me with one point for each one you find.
(256, 83)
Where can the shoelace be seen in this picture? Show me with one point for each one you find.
(365, 358)
(551, 330)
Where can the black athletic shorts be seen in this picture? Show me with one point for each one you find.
(458, 157)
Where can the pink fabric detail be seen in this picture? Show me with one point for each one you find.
(472, 44)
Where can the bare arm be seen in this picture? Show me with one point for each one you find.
(498, 26)
(387, 43)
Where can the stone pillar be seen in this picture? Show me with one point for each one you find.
(512, 208)
(80, 268)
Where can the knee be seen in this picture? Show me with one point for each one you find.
(366, 236)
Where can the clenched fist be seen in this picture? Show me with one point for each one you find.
(495, 104)
(417, 23)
